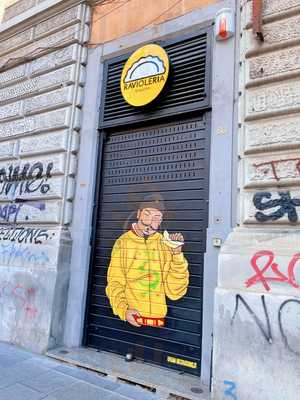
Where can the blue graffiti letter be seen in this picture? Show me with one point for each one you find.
(230, 391)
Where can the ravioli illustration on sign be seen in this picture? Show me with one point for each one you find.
(145, 269)
(145, 75)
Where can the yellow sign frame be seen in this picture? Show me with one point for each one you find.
(144, 75)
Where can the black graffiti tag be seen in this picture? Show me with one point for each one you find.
(29, 179)
(266, 331)
(265, 327)
(286, 205)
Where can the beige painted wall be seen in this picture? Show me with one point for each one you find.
(115, 19)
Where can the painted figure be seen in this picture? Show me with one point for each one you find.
(145, 268)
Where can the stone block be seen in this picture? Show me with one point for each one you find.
(272, 134)
(28, 248)
(44, 188)
(273, 98)
(272, 170)
(245, 254)
(12, 75)
(280, 33)
(50, 100)
(72, 15)
(70, 188)
(30, 168)
(62, 76)
(10, 111)
(7, 150)
(272, 207)
(34, 265)
(31, 212)
(39, 144)
(26, 322)
(56, 59)
(273, 65)
(65, 36)
(253, 335)
(16, 41)
(272, 8)
(37, 123)
(18, 8)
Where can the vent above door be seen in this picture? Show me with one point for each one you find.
(188, 88)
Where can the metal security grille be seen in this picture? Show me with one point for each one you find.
(188, 87)
(170, 159)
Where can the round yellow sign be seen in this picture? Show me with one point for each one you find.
(145, 75)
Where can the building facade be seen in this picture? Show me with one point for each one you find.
(79, 165)
(256, 343)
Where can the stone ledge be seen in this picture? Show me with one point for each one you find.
(144, 374)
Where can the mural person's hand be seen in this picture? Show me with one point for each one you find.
(178, 237)
(130, 317)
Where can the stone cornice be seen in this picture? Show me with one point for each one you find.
(35, 14)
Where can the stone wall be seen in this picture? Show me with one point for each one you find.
(256, 336)
(42, 75)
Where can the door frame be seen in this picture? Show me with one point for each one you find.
(222, 166)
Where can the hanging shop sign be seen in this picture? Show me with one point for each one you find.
(145, 75)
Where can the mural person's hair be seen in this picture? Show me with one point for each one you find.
(154, 200)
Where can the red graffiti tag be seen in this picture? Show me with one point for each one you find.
(24, 297)
(262, 273)
(274, 164)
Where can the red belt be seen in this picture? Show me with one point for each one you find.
(146, 321)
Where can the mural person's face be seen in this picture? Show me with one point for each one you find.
(149, 220)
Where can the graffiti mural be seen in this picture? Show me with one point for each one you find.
(10, 212)
(31, 178)
(24, 235)
(263, 322)
(278, 169)
(23, 298)
(267, 270)
(11, 253)
(286, 205)
(146, 267)
(230, 391)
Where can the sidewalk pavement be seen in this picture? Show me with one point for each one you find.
(27, 376)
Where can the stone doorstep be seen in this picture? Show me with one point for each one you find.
(166, 384)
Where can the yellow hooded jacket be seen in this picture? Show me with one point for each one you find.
(142, 272)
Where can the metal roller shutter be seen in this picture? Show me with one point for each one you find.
(171, 160)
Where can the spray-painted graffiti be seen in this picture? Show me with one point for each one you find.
(22, 297)
(266, 331)
(17, 181)
(12, 253)
(265, 326)
(10, 212)
(277, 169)
(282, 327)
(262, 273)
(286, 205)
(230, 391)
(24, 235)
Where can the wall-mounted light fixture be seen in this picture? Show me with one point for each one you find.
(224, 24)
